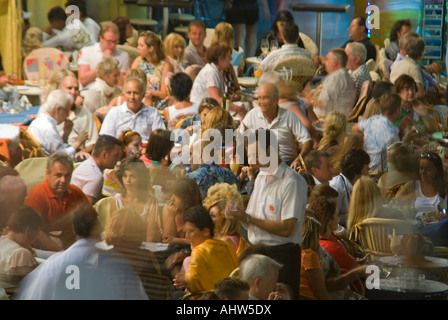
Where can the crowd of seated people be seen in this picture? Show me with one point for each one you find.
(141, 179)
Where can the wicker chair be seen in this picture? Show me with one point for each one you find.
(303, 69)
(360, 106)
(131, 51)
(373, 234)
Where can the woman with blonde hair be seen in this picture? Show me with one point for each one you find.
(335, 127)
(174, 45)
(215, 117)
(56, 80)
(219, 196)
(31, 41)
(366, 202)
(153, 62)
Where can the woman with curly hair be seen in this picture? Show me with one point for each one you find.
(218, 197)
(335, 127)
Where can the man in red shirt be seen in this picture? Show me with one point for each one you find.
(54, 199)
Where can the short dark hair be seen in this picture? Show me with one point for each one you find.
(353, 162)
(291, 32)
(312, 159)
(105, 143)
(415, 48)
(361, 22)
(230, 288)
(218, 50)
(61, 157)
(25, 218)
(81, 4)
(340, 55)
(404, 81)
(323, 210)
(57, 14)
(389, 103)
(381, 87)
(181, 84)
(84, 219)
(197, 23)
(200, 217)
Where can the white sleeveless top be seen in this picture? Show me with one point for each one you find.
(424, 203)
(177, 114)
(149, 206)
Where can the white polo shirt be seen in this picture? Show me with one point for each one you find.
(282, 197)
(287, 127)
(89, 178)
(93, 55)
(120, 118)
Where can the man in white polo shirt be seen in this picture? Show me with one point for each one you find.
(288, 127)
(88, 176)
(133, 114)
(90, 57)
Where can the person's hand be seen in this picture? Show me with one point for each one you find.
(420, 109)
(82, 137)
(171, 208)
(148, 94)
(82, 155)
(281, 292)
(410, 136)
(251, 172)
(295, 164)
(179, 281)
(243, 173)
(3, 81)
(232, 211)
(169, 239)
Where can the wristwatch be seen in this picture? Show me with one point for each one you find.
(248, 219)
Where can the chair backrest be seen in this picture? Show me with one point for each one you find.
(131, 51)
(210, 32)
(158, 286)
(303, 69)
(373, 234)
(102, 208)
(32, 171)
(360, 106)
(43, 63)
(309, 44)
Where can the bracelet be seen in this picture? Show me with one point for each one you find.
(248, 219)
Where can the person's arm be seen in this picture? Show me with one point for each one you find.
(45, 243)
(420, 90)
(161, 93)
(317, 283)
(346, 278)
(86, 75)
(266, 12)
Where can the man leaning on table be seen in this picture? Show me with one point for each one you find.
(44, 127)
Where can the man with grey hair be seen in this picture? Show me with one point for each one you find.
(287, 125)
(261, 272)
(133, 114)
(356, 66)
(44, 127)
(337, 91)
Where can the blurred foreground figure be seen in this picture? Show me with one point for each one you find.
(83, 271)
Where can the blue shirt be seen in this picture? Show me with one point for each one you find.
(209, 174)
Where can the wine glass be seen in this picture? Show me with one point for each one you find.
(264, 46)
(395, 244)
(274, 45)
(234, 164)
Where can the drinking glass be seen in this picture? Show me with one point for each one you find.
(395, 245)
(274, 45)
(264, 46)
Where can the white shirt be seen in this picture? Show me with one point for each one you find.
(89, 178)
(280, 198)
(208, 77)
(93, 55)
(71, 39)
(338, 93)
(120, 118)
(286, 51)
(344, 188)
(44, 129)
(288, 129)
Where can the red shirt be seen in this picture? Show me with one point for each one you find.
(55, 211)
(337, 251)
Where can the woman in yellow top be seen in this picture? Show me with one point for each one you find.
(218, 197)
(211, 259)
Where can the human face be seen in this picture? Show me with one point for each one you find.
(204, 114)
(111, 158)
(325, 172)
(407, 94)
(280, 26)
(403, 30)
(355, 31)
(133, 95)
(59, 178)
(267, 284)
(177, 51)
(254, 159)
(217, 217)
(71, 86)
(427, 171)
(330, 63)
(112, 78)
(194, 235)
(177, 201)
(143, 49)
(134, 145)
(60, 114)
(109, 41)
(266, 100)
(352, 63)
(130, 180)
(196, 35)
(225, 62)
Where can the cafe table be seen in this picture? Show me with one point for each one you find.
(22, 118)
